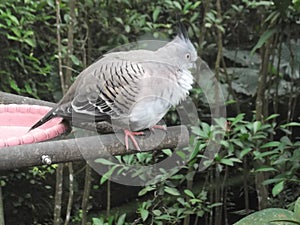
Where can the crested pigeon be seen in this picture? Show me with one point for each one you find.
(131, 89)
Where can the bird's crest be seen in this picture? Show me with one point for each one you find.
(182, 32)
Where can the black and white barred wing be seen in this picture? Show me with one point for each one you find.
(108, 88)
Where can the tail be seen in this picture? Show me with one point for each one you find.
(51, 114)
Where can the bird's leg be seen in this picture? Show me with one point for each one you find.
(131, 134)
(160, 127)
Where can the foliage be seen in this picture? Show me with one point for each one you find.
(171, 202)
(110, 221)
(273, 216)
(24, 71)
(255, 35)
(28, 192)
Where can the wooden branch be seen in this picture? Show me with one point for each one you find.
(91, 147)
(6, 98)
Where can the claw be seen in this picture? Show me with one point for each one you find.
(160, 127)
(131, 134)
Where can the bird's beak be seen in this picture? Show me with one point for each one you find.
(198, 62)
(193, 66)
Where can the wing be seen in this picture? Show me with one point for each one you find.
(108, 88)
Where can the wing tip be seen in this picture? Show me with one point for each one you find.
(45, 119)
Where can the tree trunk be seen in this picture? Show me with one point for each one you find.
(262, 192)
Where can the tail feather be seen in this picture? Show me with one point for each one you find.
(45, 119)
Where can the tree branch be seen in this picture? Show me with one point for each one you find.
(7, 98)
(92, 148)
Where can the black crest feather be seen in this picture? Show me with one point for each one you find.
(182, 31)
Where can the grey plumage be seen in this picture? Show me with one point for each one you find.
(132, 89)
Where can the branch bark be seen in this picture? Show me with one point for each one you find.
(58, 193)
(71, 194)
(69, 63)
(7, 98)
(86, 194)
(260, 108)
(93, 147)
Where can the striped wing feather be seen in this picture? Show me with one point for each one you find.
(107, 88)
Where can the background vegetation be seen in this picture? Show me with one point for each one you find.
(253, 47)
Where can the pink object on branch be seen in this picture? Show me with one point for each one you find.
(16, 120)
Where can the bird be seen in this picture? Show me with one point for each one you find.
(132, 90)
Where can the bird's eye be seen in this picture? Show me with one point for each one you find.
(188, 56)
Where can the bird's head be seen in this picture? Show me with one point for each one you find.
(180, 50)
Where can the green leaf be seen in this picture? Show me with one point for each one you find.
(107, 175)
(227, 162)
(199, 146)
(155, 14)
(224, 143)
(196, 130)
(271, 144)
(264, 217)
(105, 162)
(28, 88)
(121, 219)
(189, 193)
(286, 222)
(297, 209)
(272, 117)
(127, 28)
(13, 84)
(286, 141)
(181, 201)
(16, 31)
(30, 42)
(97, 221)
(237, 119)
(144, 214)
(291, 124)
(157, 212)
(167, 152)
(221, 122)
(256, 126)
(75, 60)
(271, 181)
(145, 190)
(194, 201)
(260, 155)
(177, 5)
(245, 152)
(13, 19)
(277, 188)
(263, 38)
(266, 169)
(172, 191)
(187, 7)
(119, 20)
(238, 143)
(14, 38)
(196, 4)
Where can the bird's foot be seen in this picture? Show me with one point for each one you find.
(159, 127)
(131, 134)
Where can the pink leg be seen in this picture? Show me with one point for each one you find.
(160, 127)
(131, 134)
